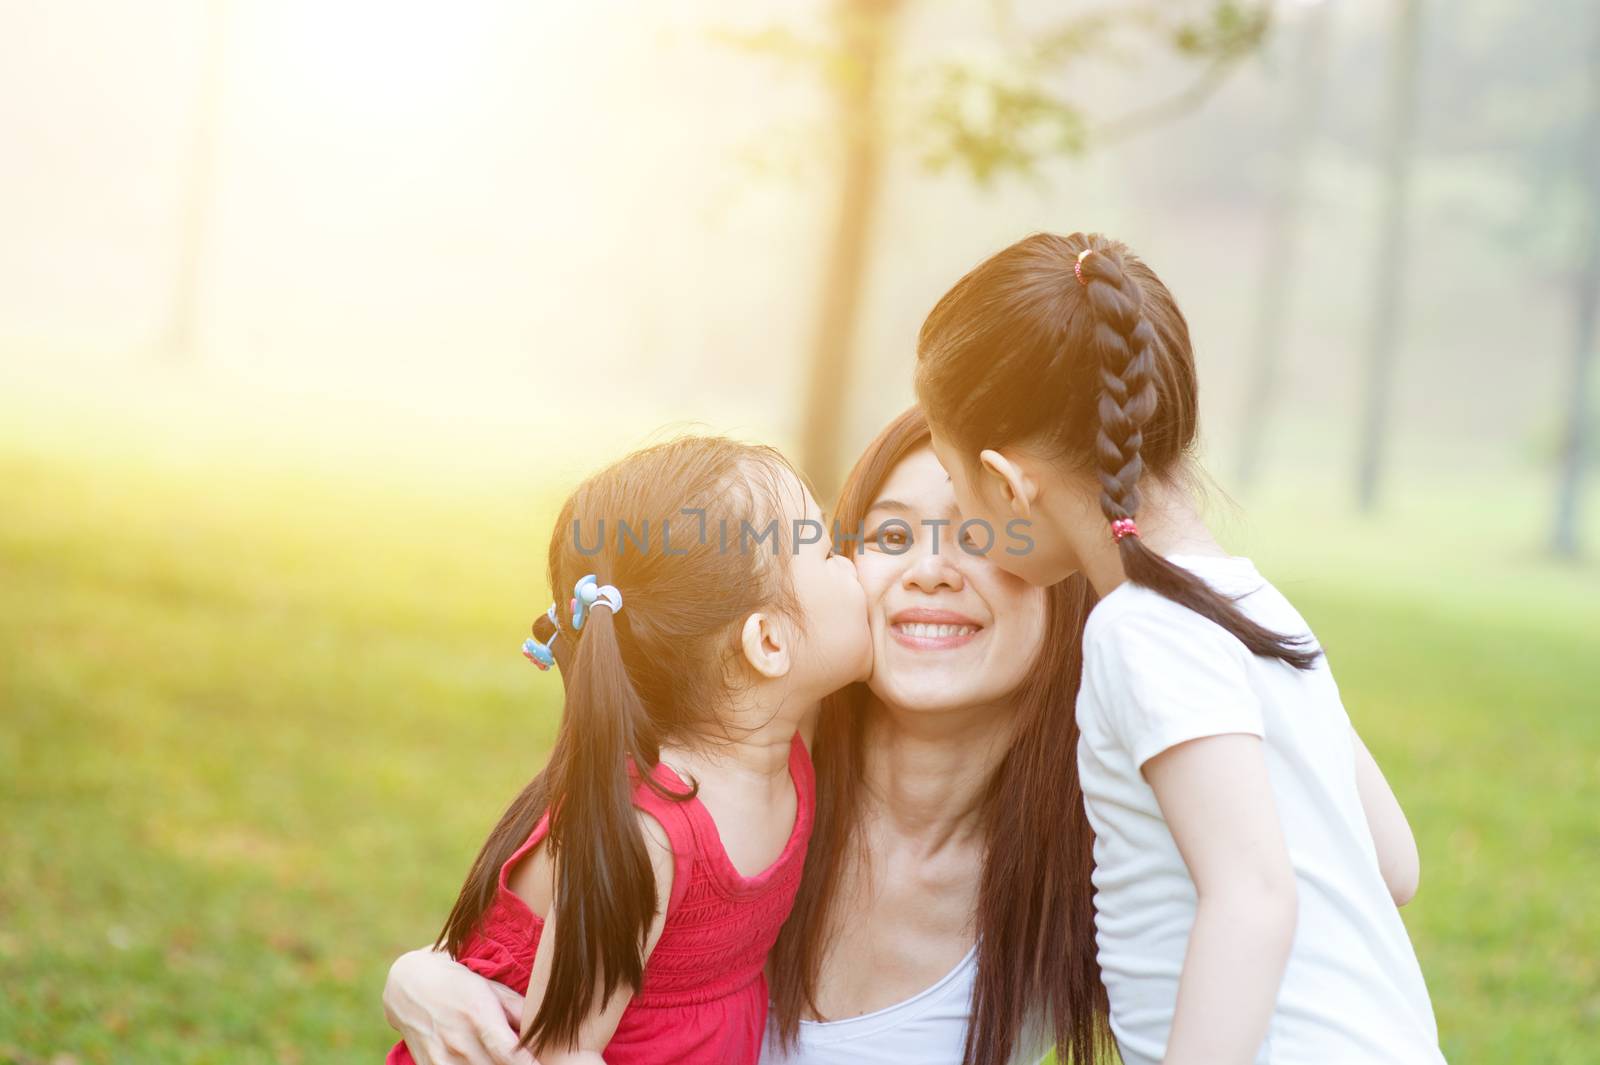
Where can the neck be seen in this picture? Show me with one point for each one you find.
(926, 772)
(756, 743)
(1169, 524)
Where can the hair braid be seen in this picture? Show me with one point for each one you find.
(1124, 342)
(1102, 369)
(1125, 345)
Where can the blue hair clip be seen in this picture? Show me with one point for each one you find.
(588, 593)
(539, 653)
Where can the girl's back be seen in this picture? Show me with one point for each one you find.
(1157, 674)
(632, 931)
(704, 994)
(1243, 913)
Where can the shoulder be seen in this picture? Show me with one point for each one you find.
(661, 806)
(669, 840)
(658, 844)
(656, 839)
(1156, 674)
(1135, 626)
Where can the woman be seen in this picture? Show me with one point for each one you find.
(946, 913)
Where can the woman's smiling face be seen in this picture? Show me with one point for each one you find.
(950, 629)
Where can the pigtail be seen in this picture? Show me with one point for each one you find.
(605, 891)
(515, 825)
(1125, 344)
(477, 894)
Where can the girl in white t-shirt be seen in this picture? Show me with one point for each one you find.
(1249, 855)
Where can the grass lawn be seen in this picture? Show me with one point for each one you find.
(254, 721)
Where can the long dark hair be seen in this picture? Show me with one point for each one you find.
(654, 671)
(1099, 372)
(1035, 911)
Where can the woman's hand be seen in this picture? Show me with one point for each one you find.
(449, 1015)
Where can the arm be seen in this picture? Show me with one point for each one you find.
(449, 1015)
(1397, 848)
(1216, 798)
(601, 1024)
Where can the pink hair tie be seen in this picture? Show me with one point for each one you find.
(1123, 527)
(1077, 268)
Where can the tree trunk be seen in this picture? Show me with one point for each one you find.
(1283, 222)
(1390, 267)
(179, 341)
(866, 28)
(1575, 446)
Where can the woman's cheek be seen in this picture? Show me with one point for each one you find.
(1019, 611)
(869, 571)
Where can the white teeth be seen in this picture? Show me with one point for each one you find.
(914, 628)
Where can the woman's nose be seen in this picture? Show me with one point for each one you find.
(930, 569)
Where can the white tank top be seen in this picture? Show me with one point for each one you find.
(929, 1028)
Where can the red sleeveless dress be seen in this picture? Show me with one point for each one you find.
(704, 999)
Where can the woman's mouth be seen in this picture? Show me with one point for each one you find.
(932, 630)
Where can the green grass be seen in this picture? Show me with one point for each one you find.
(254, 721)
(254, 728)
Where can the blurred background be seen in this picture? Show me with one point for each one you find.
(310, 313)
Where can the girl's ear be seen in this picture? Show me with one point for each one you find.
(765, 646)
(1017, 485)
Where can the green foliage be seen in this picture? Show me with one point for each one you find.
(1230, 30)
(1007, 104)
(256, 724)
(1010, 114)
(991, 126)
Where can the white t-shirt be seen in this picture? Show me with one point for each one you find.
(929, 1028)
(1156, 674)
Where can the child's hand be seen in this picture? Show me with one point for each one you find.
(449, 1015)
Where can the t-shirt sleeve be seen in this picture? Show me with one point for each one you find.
(1167, 676)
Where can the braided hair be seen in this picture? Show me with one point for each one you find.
(1074, 343)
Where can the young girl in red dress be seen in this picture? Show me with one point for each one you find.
(635, 886)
